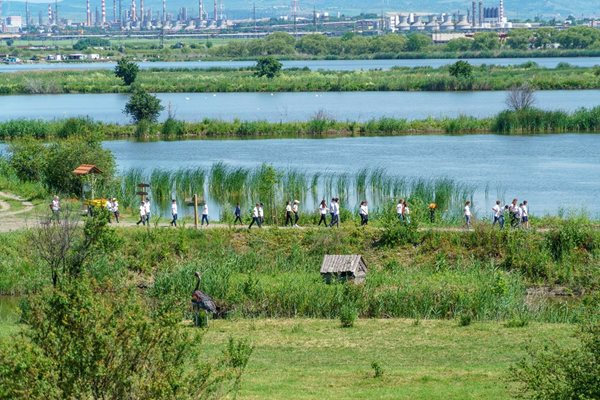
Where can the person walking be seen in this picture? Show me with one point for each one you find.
(204, 214)
(332, 210)
(467, 212)
(296, 211)
(115, 209)
(336, 213)
(505, 213)
(323, 213)
(238, 214)
(400, 210)
(261, 213)
(525, 214)
(142, 214)
(497, 210)
(432, 208)
(364, 213)
(55, 208)
(148, 209)
(174, 212)
(405, 212)
(288, 214)
(255, 217)
(514, 213)
(109, 209)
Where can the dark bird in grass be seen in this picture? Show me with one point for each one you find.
(201, 301)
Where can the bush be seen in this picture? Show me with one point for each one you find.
(268, 66)
(348, 315)
(143, 106)
(377, 370)
(552, 372)
(126, 70)
(461, 69)
(465, 319)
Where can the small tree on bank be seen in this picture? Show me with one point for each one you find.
(461, 69)
(143, 106)
(520, 97)
(269, 67)
(127, 70)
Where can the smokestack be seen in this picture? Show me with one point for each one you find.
(142, 16)
(201, 10)
(474, 13)
(50, 19)
(133, 11)
(114, 10)
(56, 12)
(501, 16)
(88, 13)
(215, 10)
(103, 6)
(480, 13)
(27, 17)
(164, 11)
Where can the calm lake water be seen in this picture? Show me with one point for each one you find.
(356, 106)
(553, 172)
(331, 65)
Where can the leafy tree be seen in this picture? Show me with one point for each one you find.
(268, 66)
(519, 39)
(417, 42)
(28, 159)
(10, 42)
(313, 44)
(83, 44)
(63, 156)
(461, 69)
(126, 70)
(486, 41)
(460, 44)
(143, 106)
(580, 37)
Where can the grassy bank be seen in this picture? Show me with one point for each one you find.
(481, 275)
(218, 80)
(308, 359)
(532, 121)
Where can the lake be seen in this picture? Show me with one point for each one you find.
(276, 107)
(330, 65)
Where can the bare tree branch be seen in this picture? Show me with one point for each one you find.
(520, 97)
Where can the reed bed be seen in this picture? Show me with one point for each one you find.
(530, 121)
(224, 185)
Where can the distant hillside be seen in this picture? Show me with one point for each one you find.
(75, 9)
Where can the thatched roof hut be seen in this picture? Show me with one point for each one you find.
(344, 267)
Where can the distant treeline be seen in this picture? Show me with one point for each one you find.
(527, 121)
(351, 45)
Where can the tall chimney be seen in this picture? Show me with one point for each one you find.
(103, 6)
(501, 16)
(56, 12)
(201, 10)
(480, 13)
(133, 11)
(474, 13)
(142, 16)
(215, 10)
(164, 11)
(50, 18)
(88, 21)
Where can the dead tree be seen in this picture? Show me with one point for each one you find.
(520, 97)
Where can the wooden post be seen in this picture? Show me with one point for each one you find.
(196, 211)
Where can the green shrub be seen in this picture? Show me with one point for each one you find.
(377, 370)
(465, 318)
(552, 372)
(348, 315)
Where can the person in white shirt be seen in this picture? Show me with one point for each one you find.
(332, 210)
(519, 215)
(400, 210)
(142, 214)
(115, 209)
(323, 212)
(148, 207)
(468, 214)
(364, 213)
(497, 210)
(109, 208)
(406, 212)
(296, 211)
(255, 217)
(174, 212)
(336, 213)
(261, 213)
(514, 213)
(288, 214)
(55, 208)
(204, 214)
(525, 214)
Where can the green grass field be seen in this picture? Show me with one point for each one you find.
(311, 359)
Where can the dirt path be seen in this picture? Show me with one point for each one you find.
(8, 221)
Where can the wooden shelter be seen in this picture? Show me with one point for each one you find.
(86, 169)
(344, 268)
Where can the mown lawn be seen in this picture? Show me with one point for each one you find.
(316, 359)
